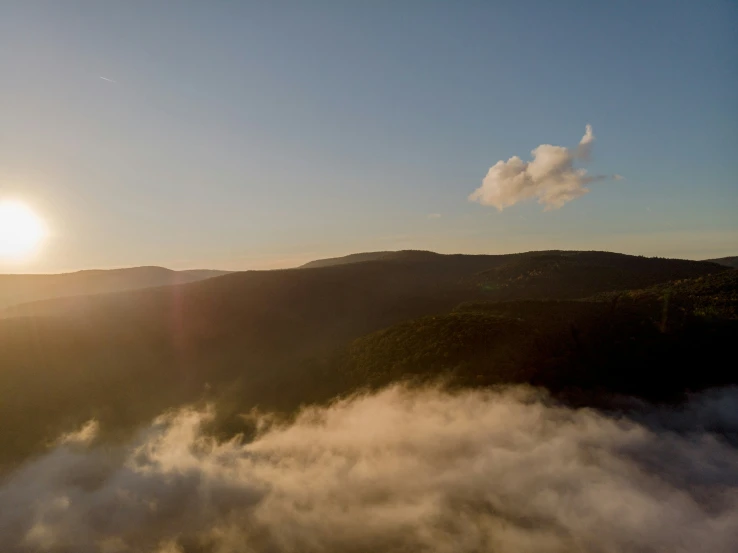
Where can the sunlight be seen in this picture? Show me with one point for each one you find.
(21, 230)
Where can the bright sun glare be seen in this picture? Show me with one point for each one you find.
(21, 230)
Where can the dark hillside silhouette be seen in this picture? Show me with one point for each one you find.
(580, 274)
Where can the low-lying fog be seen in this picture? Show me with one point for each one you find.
(401, 470)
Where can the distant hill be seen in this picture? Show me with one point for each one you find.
(572, 273)
(402, 255)
(15, 289)
(353, 258)
(394, 278)
(727, 261)
(569, 275)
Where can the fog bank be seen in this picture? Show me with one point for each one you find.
(428, 470)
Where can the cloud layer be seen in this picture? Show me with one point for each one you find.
(550, 177)
(397, 471)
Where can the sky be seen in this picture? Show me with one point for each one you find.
(248, 135)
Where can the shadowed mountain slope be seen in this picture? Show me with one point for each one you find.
(653, 343)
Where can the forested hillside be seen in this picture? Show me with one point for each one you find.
(580, 322)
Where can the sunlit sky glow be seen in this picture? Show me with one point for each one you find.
(242, 135)
(21, 231)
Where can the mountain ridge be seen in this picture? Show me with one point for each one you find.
(731, 261)
(24, 288)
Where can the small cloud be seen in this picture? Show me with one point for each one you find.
(618, 177)
(584, 149)
(84, 436)
(434, 216)
(109, 80)
(550, 177)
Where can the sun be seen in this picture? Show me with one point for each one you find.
(21, 230)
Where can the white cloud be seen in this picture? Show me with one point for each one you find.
(434, 216)
(584, 148)
(396, 471)
(550, 177)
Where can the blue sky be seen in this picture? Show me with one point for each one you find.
(255, 135)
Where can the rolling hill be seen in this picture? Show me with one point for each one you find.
(579, 274)
(15, 289)
(727, 261)
(351, 258)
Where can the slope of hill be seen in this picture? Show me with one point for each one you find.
(538, 273)
(711, 296)
(15, 289)
(727, 261)
(398, 276)
(352, 258)
(401, 256)
(579, 274)
(653, 343)
(124, 357)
